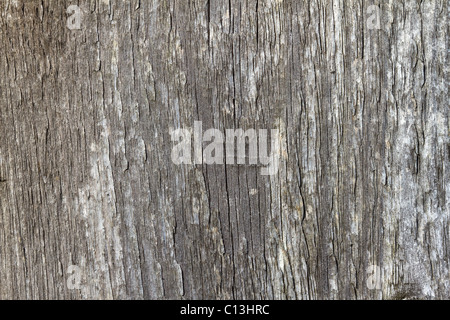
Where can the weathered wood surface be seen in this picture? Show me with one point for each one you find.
(87, 182)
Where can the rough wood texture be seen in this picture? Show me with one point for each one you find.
(86, 177)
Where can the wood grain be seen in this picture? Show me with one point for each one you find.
(86, 177)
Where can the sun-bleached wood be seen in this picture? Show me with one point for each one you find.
(87, 183)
